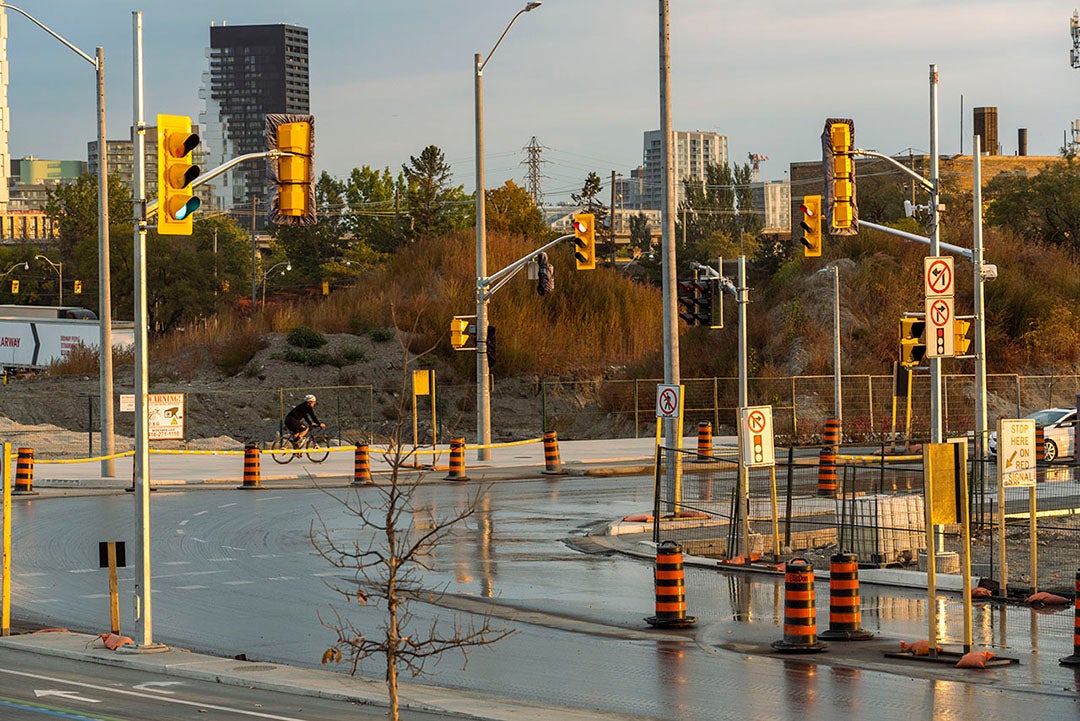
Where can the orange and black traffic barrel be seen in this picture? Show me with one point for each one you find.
(1074, 660)
(845, 618)
(552, 462)
(670, 588)
(800, 613)
(362, 466)
(704, 441)
(830, 444)
(24, 473)
(252, 475)
(1040, 444)
(457, 461)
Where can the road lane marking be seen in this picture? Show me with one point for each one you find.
(157, 697)
(48, 710)
(236, 583)
(190, 588)
(66, 695)
(146, 686)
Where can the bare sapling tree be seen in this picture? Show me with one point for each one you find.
(388, 553)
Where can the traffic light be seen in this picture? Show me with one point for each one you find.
(838, 145)
(459, 332)
(961, 342)
(176, 202)
(912, 347)
(687, 293)
(14, 287)
(292, 176)
(714, 311)
(584, 241)
(811, 225)
(78, 287)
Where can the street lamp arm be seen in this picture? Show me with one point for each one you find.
(44, 27)
(151, 206)
(923, 182)
(9, 271)
(528, 7)
(486, 287)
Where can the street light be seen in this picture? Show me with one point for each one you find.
(24, 264)
(288, 266)
(483, 391)
(59, 268)
(104, 282)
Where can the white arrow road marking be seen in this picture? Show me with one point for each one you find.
(146, 686)
(156, 696)
(69, 695)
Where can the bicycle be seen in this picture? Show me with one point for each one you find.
(285, 448)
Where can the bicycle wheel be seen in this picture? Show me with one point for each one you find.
(318, 448)
(281, 450)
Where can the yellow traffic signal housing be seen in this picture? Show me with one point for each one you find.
(14, 287)
(459, 333)
(912, 347)
(176, 202)
(838, 142)
(292, 175)
(584, 241)
(811, 225)
(78, 287)
(961, 342)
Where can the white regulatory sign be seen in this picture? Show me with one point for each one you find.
(938, 276)
(756, 442)
(668, 398)
(940, 328)
(1016, 452)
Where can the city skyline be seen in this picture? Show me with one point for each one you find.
(582, 77)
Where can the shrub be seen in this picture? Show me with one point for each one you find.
(309, 357)
(304, 337)
(80, 361)
(233, 352)
(381, 335)
(352, 354)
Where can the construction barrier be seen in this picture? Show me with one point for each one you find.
(251, 467)
(800, 613)
(457, 461)
(552, 463)
(24, 473)
(845, 618)
(670, 588)
(826, 473)
(362, 466)
(1074, 660)
(830, 442)
(704, 441)
(1040, 444)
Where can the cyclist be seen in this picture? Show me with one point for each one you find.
(298, 418)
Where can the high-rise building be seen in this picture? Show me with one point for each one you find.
(694, 151)
(254, 70)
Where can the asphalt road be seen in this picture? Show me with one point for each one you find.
(235, 572)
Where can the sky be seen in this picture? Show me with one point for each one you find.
(390, 77)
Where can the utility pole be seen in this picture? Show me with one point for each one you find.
(672, 434)
(611, 222)
(254, 205)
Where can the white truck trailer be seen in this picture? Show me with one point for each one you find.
(36, 336)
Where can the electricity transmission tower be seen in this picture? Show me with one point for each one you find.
(533, 176)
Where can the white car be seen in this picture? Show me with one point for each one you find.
(1059, 432)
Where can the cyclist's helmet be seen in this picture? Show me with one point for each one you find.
(309, 398)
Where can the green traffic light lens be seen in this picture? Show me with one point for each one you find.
(188, 208)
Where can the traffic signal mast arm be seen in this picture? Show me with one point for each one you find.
(486, 287)
(152, 205)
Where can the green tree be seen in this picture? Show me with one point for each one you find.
(717, 217)
(589, 199)
(510, 209)
(373, 218)
(1042, 207)
(434, 205)
(186, 278)
(640, 235)
(73, 210)
(310, 247)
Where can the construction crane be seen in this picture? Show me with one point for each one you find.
(756, 159)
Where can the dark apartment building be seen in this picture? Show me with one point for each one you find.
(254, 70)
